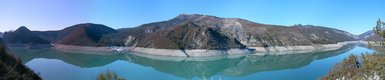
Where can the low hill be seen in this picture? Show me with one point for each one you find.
(87, 34)
(23, 36)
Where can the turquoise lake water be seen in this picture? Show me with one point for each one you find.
(56, 65)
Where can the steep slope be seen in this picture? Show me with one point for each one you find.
(248, 33)
(86, 34)
(11, 68)
(23, 36)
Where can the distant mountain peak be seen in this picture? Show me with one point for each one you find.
(195, 17)
(22, 29)
(23, 36)
(87, 25)
(190, 15)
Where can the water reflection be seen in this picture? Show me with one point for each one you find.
(187, 67)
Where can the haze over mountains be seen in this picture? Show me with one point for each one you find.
(192, 31)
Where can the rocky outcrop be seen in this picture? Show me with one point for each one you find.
(11, 68)
(23, 37)
(86, 34)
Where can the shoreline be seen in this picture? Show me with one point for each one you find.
(30, 46)
(280, 50)
(189, 53)
(277, 50)
(83, 49)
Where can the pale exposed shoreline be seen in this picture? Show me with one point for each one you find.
(189, 53)
(371, 42)
(278, 50)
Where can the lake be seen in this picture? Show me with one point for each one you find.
(51, 64)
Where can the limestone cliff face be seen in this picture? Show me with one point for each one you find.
(236, 30)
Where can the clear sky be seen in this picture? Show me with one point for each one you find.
(354, 16)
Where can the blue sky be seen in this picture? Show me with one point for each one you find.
(354, 16)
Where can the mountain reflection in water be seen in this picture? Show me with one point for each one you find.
(206, 67)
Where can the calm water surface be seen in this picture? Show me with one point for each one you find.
(56, 65)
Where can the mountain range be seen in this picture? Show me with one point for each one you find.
(370, 36)
(192, 32)
(186, 31)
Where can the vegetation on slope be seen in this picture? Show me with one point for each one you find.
(87, 34)
(11, 67)
(187, 36)
(247, 33)
(109, 75)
